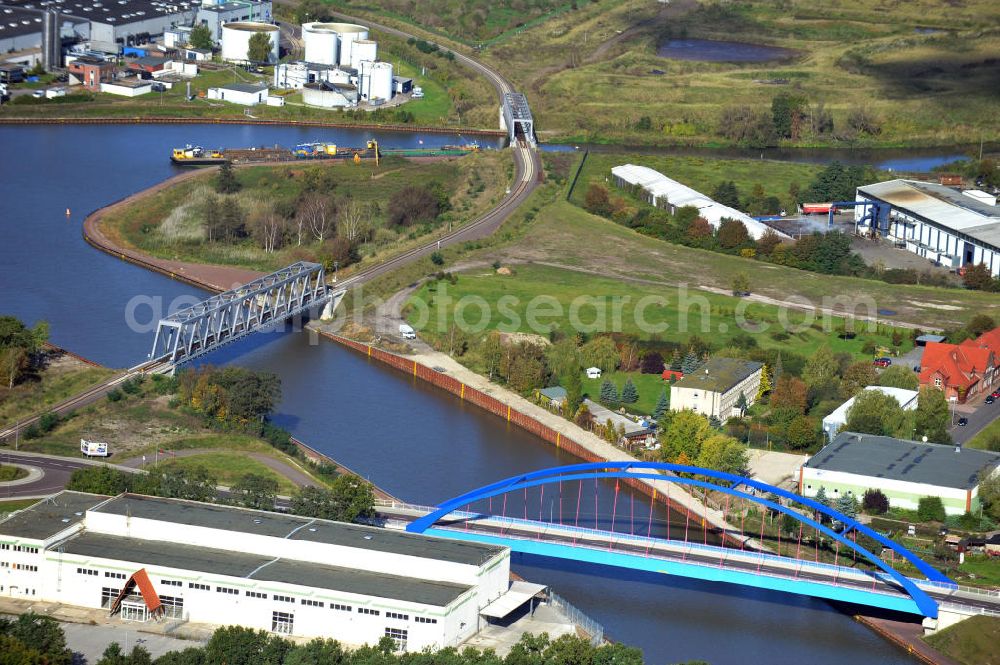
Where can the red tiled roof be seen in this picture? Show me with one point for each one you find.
(959, 365)
(988, 340)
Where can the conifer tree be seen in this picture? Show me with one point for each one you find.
(630, 395)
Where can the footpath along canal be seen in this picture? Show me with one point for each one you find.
(417, 442)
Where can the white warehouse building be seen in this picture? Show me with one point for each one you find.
(147, 557)
(663, 192)
(941, 224)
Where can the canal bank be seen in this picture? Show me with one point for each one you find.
(411, 439)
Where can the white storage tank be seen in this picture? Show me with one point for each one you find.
(236, 39)
(376, 80)
(349, 33)
(322, 43)
(362, 50)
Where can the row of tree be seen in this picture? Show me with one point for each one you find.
(791, 117)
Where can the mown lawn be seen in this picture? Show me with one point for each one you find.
(650, 387)
(987, 436)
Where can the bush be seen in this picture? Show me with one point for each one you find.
(48, 421)
(874, 502)
(115, 395)
(132, 386)
(930, 509)
(437, 259)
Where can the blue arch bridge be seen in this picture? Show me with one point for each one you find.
(858, 565)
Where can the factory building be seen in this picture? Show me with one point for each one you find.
(944, 225)
(216, 14)
(26, 28)
(662, 192)
(146, 558)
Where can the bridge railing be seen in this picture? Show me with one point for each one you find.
(588, 625)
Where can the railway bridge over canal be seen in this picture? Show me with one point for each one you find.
(865, 568)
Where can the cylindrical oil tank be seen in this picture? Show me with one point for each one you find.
(375, 80)
(349, 33)
(236, 40)
(361, 50)
(322, 43)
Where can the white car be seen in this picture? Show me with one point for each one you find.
(38, 94)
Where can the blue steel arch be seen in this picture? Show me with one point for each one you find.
(596, 470)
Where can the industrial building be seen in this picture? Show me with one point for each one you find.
(715, 388)
(832, 423)
(660, 191)
(944, 225)
(216, 13)
(30, 35)
(143, 558)
(905, 471)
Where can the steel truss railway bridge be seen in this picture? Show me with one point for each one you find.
(264, 303)
(795, 567)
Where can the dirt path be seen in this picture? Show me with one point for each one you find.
(297, 476)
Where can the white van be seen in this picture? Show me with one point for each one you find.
(407, 332)
(93, 448)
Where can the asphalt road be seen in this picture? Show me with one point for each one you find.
(55, 473)
(978, 420)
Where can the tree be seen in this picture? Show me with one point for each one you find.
(847, 506)
(346, 500)
(821, 497)
(875, 502)
(898, 376)
(932, 418)
(732, 234)
(491, 352)
(597, 201)
(727, 194)
(574, 391)
(113, 655)
(874, 412)
(40, 633)
(699, 228)
(225, 179)
(236, 645)
(662, 406)
(741, 284)
(630, 395)
(930, 509)
(801, 432)
(600, 352)
(609, 393)
(195, 484)
(354, 220)
(201, 37)
(765, 383)
(787, 113)
(979, 324)
(979, 277)
(415, 204)
(864, 121)
(790, 393)
(267, 228)
(675, 360)
(690, 363)
(319, 212)
(652, 363)
(857, 377)
(741, 404)
(256, 491)
(683, 433)
(259, 48)
(767, 242)
(723, 453)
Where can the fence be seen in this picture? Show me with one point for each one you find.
(578, 618)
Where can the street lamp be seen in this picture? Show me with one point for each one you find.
(336, 264)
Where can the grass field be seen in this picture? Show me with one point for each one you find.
(986, 436)
(619, 253)
(537, 299)
(591, 75)
(650, 386)
(970, 642)
(474, 184)
(60, 380)
(228, 468)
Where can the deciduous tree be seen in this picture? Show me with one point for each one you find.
(932, 417)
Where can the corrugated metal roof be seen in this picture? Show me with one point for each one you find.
(660, 186)
(940, 205)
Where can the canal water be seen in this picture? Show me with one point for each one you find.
(415, 441)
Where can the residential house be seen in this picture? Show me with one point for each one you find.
(715, 388)
(552, 397)
(962, 371)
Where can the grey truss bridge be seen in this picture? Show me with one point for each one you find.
(517, 117)
(263, 303)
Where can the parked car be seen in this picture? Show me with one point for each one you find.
(963, 421)
(995, 394)
(38, 94)
(990, 399)
(882, 362)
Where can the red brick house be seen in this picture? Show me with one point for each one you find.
(90, 72)
(962, 371)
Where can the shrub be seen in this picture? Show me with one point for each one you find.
(115, 395)
(437, 259)
(874, 502)
(132, 386)
(48, 421)
(930, 509)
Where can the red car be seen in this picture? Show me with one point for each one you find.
(882, 362)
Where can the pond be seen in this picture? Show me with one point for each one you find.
(710, 50)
